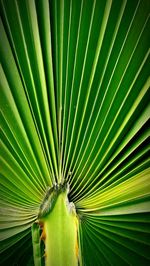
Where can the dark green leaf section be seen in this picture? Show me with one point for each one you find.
(119, 240)
(74, 106)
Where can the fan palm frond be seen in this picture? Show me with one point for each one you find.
(74, 100)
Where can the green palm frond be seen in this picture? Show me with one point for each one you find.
(74, 106)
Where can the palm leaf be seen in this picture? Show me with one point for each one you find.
(74, 100)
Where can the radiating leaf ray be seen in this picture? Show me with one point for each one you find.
(112, 125)
(93, 69)
(35, 94)
(20, 97)
(43, 15)
(124, 245)
(91, 114)
(72, 99)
